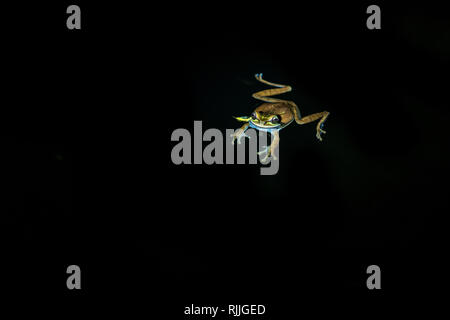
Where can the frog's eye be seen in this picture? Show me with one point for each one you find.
(275, 119)
(254, 115)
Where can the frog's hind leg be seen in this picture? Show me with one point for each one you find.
(265, 94)
(313, 117)
(258, 77)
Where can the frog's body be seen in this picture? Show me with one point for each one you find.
(276, 114)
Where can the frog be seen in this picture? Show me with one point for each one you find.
(275, 114)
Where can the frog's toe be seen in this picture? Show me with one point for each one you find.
(244, 135)
(267, 157)
(319, 132)
(263, 151)
(267, 153)
(233, 138)
(319, 136)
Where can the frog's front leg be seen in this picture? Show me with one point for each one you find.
(239, 134)
(270, 150)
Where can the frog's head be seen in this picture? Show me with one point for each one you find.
(262, 120)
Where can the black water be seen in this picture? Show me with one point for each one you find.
(87, 118)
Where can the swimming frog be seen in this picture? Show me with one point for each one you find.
(274, 115)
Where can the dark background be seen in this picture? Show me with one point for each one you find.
(86, 124)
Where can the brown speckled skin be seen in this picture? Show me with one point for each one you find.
(285, 110)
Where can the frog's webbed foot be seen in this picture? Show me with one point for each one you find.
(268, 153)
(319, 130)
(239, 134)
(313, 117)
